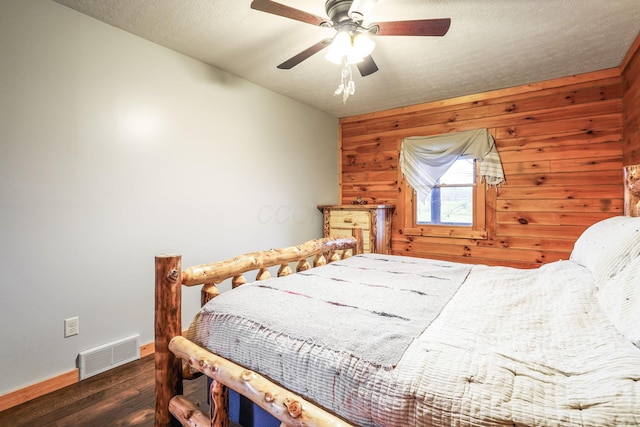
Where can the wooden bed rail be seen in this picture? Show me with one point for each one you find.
(219, 271)
(169, 278)
(289, 408)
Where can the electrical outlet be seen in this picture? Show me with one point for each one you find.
(71, 326)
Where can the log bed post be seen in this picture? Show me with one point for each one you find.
(168, 324)
(171, 408)
(357, 234)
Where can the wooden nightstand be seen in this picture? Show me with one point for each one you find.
(375, 221)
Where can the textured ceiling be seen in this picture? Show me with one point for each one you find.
(491, 44)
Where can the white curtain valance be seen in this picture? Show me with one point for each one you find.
(424, 159)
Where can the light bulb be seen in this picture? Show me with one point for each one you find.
(362, 45)
(339, 48)
(352, 49)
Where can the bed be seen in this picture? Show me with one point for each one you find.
(382, 340)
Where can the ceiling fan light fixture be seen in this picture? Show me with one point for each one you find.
(363, 45)
(349, 48)
(339, 47)
(351, 44)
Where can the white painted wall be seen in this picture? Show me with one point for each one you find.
(114, 149)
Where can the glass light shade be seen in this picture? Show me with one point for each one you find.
(353, 48)
(339, 48)
(362, 45)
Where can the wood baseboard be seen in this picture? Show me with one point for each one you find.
(33, 391)
(147, 349)
(41, 388)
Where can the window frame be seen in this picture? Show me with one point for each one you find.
(477, 230)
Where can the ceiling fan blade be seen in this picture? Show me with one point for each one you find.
(295, 60)
(419, 27)
(367, 66)
(286, 11)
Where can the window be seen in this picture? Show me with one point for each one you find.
(449, 166)
(454, 208)
(451, 199)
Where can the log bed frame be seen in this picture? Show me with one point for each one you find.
(176, 358)
(170, 347)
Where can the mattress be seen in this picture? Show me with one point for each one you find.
(504, 347)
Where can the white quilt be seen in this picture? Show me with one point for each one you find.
(512, 348)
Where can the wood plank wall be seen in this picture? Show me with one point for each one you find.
(561, 146)
(631, 104)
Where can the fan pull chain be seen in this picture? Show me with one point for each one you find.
(347, 85)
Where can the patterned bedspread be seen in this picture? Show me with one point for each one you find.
(369, 307)
(509, 347)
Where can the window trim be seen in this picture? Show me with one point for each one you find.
(477, 230)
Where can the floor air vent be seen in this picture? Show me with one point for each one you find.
(107, 356)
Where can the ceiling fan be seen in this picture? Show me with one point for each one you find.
(347, 18)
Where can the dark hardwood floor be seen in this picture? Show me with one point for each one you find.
(123, 396)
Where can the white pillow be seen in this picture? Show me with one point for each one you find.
(619, 298)
(608, 246)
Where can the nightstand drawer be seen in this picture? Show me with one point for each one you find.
(350, 219)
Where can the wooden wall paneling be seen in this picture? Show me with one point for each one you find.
(564, 192)
(555, 114)
(560, 179)
(527, 243)
(370, 176)
(491, 219)
(564, 166)
(522, 125)
(473, 253)
(576, 83)
(586, 92)
(612, 205)
(577, 137)
(609, 121)
(561, 143)
(587, 165)
(592, 150)
(631, 102)
(583, 219)
(377, 188)
(341, 176)
(388, 198)
(376, 161)
(633, 97)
